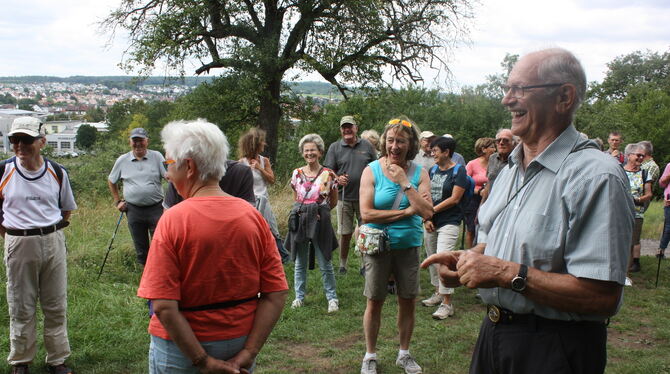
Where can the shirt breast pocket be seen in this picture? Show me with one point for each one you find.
(543, 240)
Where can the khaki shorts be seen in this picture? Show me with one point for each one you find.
(346, 210)
(637, 231)
(402, 263)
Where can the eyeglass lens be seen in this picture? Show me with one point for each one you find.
(27, 140)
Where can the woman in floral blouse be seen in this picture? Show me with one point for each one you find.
(310, 233)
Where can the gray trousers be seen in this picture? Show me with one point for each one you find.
(142, 222)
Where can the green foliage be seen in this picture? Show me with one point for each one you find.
(7, 99)
(95, 115)
(86, 136)
(88, 172)
(128, 114)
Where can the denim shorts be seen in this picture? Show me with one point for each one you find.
(166, 358)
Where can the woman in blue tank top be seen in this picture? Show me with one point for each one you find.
(381, 182)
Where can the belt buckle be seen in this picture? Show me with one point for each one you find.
(493, 313)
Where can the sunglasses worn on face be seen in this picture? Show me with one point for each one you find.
(400, 121)
(27, 140)
(503, 141)
(639, 154)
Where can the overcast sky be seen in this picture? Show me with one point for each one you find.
(61, 38)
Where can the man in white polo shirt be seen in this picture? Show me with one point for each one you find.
(141, 170)
(36, 204)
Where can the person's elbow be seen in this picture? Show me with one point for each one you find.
(164, 308)
(276, 297)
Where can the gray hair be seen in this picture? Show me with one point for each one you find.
(371, 134)
(199, 140)
(648, 147)
(561, 66)
(312, 138)
(632, 148)
(515, 139)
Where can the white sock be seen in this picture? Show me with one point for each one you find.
(403, 352)
(370, 356)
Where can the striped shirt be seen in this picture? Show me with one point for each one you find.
(569, 212)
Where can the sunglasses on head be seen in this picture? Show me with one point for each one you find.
(400, 121)
(27, 140)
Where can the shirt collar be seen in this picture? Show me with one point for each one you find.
(554, 155)
(344, 144)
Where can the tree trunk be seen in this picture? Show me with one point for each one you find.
(269, 115)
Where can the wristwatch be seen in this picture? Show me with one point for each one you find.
(519, 282)
(407, 187)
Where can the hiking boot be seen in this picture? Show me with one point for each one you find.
(660, 253)
(60, 369)
(444, 311)
(20, 369)
(342, 270)
(635, 267)
(369, 366)
(333, 305)
(297, 303)
(434, 299)
(407, 362)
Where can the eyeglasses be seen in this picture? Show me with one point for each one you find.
(400, 121)
(518, 91)
(27, 140)
(503, 141)
(168, 162)
(639, 155)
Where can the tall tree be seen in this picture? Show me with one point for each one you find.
(345, 41)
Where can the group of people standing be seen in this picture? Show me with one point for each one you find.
(548, 250)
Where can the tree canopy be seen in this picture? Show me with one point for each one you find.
(361, 42)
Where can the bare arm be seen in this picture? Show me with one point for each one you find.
(114, 189)
(65, 214)
(564, 292)
(266, 172)
(182, 335)
(647, 193)
(268, 311)
(454, 199)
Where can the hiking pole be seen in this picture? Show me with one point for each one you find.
(658, 270)
(118, 223)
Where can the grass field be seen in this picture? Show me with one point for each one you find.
(107, 322)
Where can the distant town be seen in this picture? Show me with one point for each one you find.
(63, 102)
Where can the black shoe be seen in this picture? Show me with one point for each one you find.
(20, 369)
(635, 268)
(60, 369)
(343, 270)
(390, 287)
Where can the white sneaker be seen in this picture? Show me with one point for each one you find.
(407, 362)
(333, 305)
(369, 366)
(629, 282)
(434, 299)
(444, 311)
(297, 303)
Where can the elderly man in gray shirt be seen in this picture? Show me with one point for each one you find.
(553, 248)
(141, 171)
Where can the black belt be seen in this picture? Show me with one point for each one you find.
(38, 231)
(221, 305)
(499, 315)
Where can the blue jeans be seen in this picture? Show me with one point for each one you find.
(300, 275)
(166, 358)
(665, 238)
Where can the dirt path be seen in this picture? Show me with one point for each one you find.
(649, 247)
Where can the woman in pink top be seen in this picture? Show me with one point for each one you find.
(664, 182)
(484, 147)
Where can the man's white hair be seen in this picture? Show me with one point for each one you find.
(201, 141)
